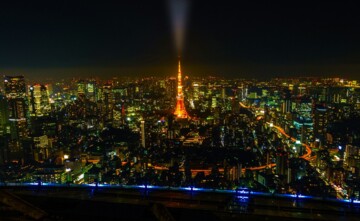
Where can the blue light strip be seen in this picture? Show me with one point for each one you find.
(242, 193)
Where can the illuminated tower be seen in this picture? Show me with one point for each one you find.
(180, 111)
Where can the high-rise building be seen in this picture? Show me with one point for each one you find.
(39, 100)
(81, 88)
(108, 101)
(17, 109)
(4, 119)
(286, 103)
(320, 123)
(3, 114)
(14, 86)
(180, 111)
(15, 91)
(196, 91)
(90, 90)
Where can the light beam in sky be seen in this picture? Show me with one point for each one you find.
(178, 13)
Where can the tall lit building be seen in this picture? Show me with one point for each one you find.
(180, 111)
(108, 101)
(15, 91)
(91, 90)
(286, 104)
(196, 91)
(81, 88)
(14, 86)
(39, 100)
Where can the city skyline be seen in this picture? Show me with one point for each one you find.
(295, 139)
(243, 40)
(141, 110)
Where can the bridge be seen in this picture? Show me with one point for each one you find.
(63, 202)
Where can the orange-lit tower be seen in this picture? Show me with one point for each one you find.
(180, 111)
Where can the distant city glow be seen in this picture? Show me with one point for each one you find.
(166, 132)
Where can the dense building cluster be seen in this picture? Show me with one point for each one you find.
(281, 136)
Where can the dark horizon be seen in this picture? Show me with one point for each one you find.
(242, 40)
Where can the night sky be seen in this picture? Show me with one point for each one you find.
(223, 38)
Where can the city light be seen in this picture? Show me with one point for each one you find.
(241, 116)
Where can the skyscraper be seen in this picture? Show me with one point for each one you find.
(286, 104)
(39, 100)
(14, 86)
(3, 114)
(108, 101)
(15, 91)
(320, 123)
(180, 111)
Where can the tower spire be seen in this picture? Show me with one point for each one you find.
(180, 110)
